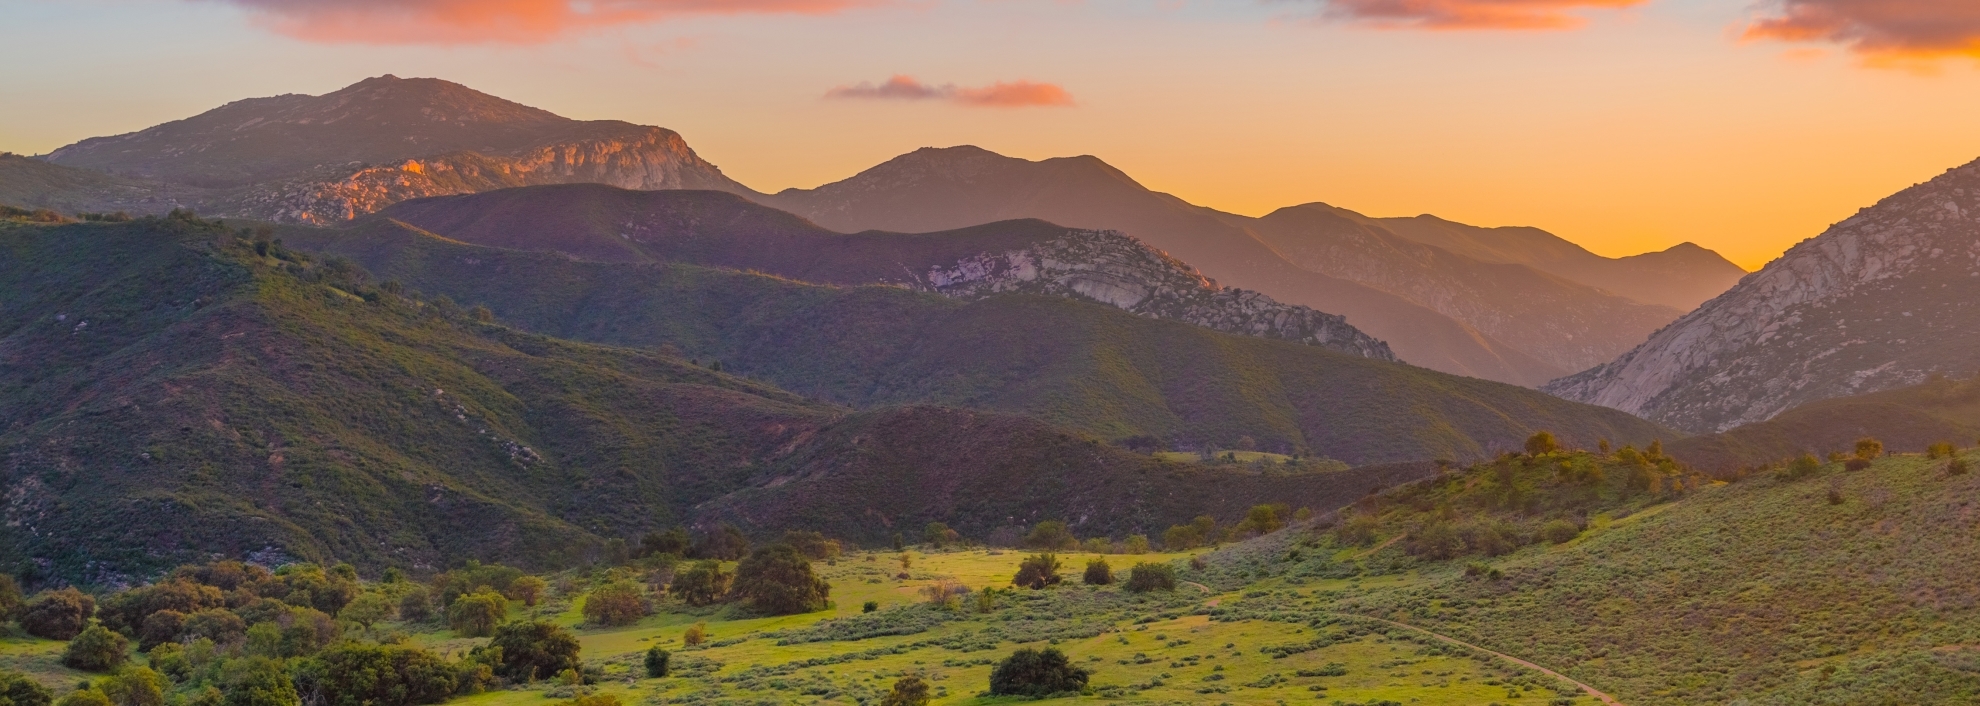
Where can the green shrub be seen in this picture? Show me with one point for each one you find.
(477, 614)
(704, 583)
(220, 625)
(10, 598)
(1135, 544)
(535, 650)
(96, 649)
(1806, 465)
(1098, 573)
(1868, 448)
(1036, 674)
(528, 589)
(1145, 577)
(1941, 449)
(656, 662)
(1038, 571)
(416, 606)
(725, 543)
(1542, 443)
(58, 615)
(813, 545)
(939, 535)
(85, 697)
(1559, 531)
(358, 674)
(258, 681)
(19, 689)
(368, 609)
(908, 691)
(616, 603)
(161, 627)
(777, 580)
(869, 607)
(1050, 534)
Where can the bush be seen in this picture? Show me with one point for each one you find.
(10, 598)
(416, 606)
(58, 615)
(1135, 544)
(1559, 531)
(1050, 534)
(1098, 573)
(258, 681)
(20, 690)
(368, 609)
(135, 686)
(1145, 577)
(358, 674)
(908, 691)
(812, 544)
(695, 634)
(96, 650)
(616, 603)
(528, 589)
(1956, 467)
(1180, 537)
(1942, 449)
(726, 543)
(656, 662)
(85, 697)
(1803, 467)
(1036, 674)
(945, 594)
(1868, 448)
(777, 580)
(674, 541)
(1856, 464)
(535, 650)
(869, 607)
(1264, 519)
(1097, 545)
(1038, 571)
(939, 535)
(161, 627)
(1542, 443)
(703, 583)
(477, 614)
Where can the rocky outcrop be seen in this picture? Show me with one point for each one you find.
(1881, 300)
(1120, 271)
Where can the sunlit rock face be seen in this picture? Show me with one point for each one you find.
(1883, 299)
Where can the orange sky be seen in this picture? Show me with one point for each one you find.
(1624, 125)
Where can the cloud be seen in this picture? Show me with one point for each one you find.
(1876, 29)
(1002, 94)
(1467, 14)
(492, 21)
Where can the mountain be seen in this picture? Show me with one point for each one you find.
(1556, 320)
(1073, 363)
(1907, 419)
(171, 389)
(329, 158)
(606, 224)
(1878, 301)
(1681, 277)
(1435, 308)
(67, 190)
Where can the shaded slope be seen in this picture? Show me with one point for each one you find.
(1072, 363)
(1906, 419)
(937, 189)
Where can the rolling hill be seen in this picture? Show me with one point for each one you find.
(1907, 419)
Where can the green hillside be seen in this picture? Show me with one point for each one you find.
(1077, 364)
(170, 388)
(1905, 419)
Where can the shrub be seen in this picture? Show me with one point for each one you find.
(1359, 529)
(869, 607)
(477, 614)
(616, 603)
(1956, 467)
(415, 606)
(528, 589)
(1180, 537)
(20, 690)
(725, 543)
(96, 649)
(534, 650)
(10, 598)
(1942, 449)
(1050, 534)
(1868, 448)
(1097, 545)
(1135, 544)
(58, 615)
(1038, 571)
(161, 627)
(1803, 467)
(656, 662)
(1098, 573)
(674, 541)
(908, 691)
(945, 594)
(1264, 519)
(367, 609)
(702, 584)
(813, 544)
(695, 635)
(1145, 577)
(777, 580)
(358, 674)
(1036, 674)
(1856, 464)
(939, 535)
(1542, 443)
(258, 681)
(1559, 531)
(85, 697)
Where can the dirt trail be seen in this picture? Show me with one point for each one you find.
(1380, 547)
(1605, 698)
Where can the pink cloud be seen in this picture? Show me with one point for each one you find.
(492, 21)
(1877, 30)
(1002, 94)
(1468, 14)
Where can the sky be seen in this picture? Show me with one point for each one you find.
(1624, 125)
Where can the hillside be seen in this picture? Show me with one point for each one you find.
(171, 389)
(606, 224)
(1072, 363)
(1907, 419)
(329, 158)
(939, 189)
(1879, 301)
(1681, 277)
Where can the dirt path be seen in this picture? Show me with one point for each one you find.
(1380, 547)
(1605, 698)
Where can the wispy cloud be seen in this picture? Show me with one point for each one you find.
(1467, 14)
(1002, 94)
(1881, 31)
(446, 22)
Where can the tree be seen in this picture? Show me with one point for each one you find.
(21, 690)
(1097, 545)
(161, 627)
(1206, 529)
(695, 634)
(945, 594)
(416, 606)
(535, 650)
(1050, 534)
(812, 544)
(368, 608)
(477, 614)
(258, 681)
(702, 584)
(908, 691)
(135, 686)
(616, 603)
(1542, 443)
(674, 541)
(96, 649)
(1098, 573)
(1869, 449)
(1264, 519)
(84, 697)
(777, 580)
(358, 674)
(58, 615)
(1941, 449)
(657, 660)
(528, 589)
(1036, 674)
(1181, 537)
(1038, 571)
(10, 598)
(725, 543)
(1806, 465)
(1145, 577)
(220, 625)
(616, 552)
(1135, 544)
(939, 535)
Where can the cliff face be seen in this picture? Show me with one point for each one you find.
(1881, 300)
(1118, 270)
